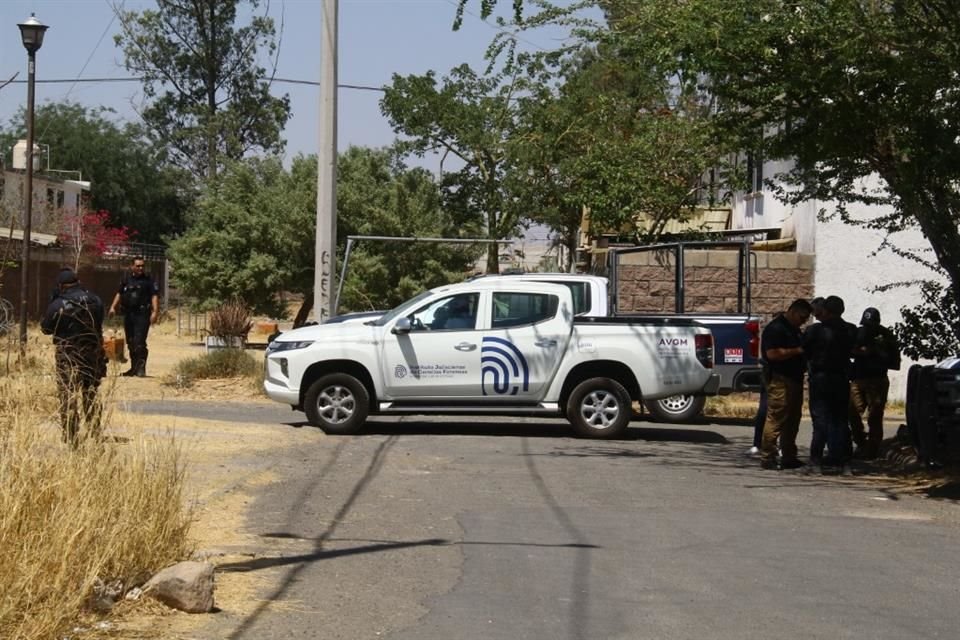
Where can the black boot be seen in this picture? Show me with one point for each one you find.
(134, 367)
(141, 369)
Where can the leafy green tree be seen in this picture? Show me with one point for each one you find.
(128, 174)
(250, 237)
(467, 118)
(921, 331)
(619, 137)
(378, 195)
(208, 101)
(849, 90)
(252, 234)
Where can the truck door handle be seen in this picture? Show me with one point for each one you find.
(546, 343)
(465, 346)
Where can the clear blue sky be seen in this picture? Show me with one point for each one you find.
(377, 38)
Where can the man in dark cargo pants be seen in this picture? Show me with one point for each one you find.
(782, 347)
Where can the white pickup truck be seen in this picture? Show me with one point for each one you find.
(489, 347)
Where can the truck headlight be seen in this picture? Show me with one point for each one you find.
(276, 346)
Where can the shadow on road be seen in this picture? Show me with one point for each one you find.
(528, 429)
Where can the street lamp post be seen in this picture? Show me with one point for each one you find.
(31, 33)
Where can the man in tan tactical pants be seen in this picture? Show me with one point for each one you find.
(781, 343)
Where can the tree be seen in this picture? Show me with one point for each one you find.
(378, 195)
(617, 136)
(849, 90)
(250, 237)
(128, 174)
(208, 101)
(252, 234)
(469, 118)
(86, 235)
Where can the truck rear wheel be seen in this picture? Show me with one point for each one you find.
(676, 408)
(599, 408)
(337, 403)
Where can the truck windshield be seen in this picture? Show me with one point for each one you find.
(399, 310)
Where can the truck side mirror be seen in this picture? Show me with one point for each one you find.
(402, 326)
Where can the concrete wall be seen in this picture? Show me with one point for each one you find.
(646, 281)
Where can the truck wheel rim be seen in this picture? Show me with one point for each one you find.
(336, 404)
(676, 404)
(600, 409)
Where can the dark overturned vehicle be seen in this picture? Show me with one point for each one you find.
(933, 411)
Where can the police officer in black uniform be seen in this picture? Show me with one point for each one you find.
(828, 346)
(75, 320)
(138, 299)
(782, 350)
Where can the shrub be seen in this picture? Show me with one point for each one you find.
(221, 363)
(230, 319)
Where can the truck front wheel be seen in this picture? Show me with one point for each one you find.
(337, 403)
(676, 408)
(599, 408)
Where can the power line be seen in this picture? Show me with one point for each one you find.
(313, 83)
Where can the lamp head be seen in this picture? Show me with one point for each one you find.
(31, 33)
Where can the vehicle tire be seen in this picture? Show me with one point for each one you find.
(599, 408)
(337, 403)
(676, 408)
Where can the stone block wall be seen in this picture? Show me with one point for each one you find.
(646, 281)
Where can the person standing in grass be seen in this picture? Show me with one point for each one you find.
(138, 299)
(75, 320)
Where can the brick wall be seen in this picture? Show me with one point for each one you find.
(646, 281)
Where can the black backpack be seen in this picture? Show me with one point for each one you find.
(889, 349)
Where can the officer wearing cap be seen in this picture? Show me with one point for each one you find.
(75, 320)
(828, 346)
(875, 351)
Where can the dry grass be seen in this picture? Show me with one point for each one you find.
(218, 364)
(109, 510)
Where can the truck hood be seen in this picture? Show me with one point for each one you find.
(339, 332)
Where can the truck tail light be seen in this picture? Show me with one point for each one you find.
(753, 328)
(703, 343)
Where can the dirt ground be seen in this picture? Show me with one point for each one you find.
(225, 463)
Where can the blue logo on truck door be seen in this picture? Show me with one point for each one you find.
(507, 369)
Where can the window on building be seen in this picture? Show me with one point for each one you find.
(754, 173)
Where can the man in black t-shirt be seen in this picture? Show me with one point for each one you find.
(138, 299)
(782, 352)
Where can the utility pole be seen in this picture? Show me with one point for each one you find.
(326, 237)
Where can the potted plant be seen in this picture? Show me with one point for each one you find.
(229, 324)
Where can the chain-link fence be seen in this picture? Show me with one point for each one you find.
(7, 317)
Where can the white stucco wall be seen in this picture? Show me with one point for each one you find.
(845, 264)
(762, 209)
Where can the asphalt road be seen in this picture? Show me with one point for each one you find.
(508, 528)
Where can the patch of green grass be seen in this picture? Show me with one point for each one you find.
(218, 364)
